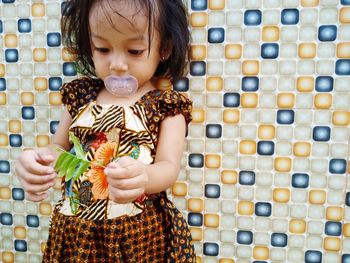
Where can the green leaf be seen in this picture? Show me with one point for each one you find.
(77, 146)
(64, 165)
(68, 163)
(84, 165)
(71, 168)
(60, 160)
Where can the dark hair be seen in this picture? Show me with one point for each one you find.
(169, 17)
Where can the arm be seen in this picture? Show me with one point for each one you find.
(164, 172)
(61, 137)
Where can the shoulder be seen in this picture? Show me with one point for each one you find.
(78, 92)
(82, 87)
(171, 103)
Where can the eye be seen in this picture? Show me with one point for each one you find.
(136, 52)
(101, 49)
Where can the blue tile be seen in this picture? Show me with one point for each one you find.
(337, 166)
(263, 209)
(313, 256)
(333, 228)
(269, 50)
(2, 84)
(342, 67)
(4, 166)
(28, 113)
(266, 148)
(246, 177)
(195, 219)
(8, 1)
(1, 29)
(231, 100)
(53, 39)
(65, 7)
(285, 116)
(24, 25)
(321, 133)
(197, 5)
(210, 249)
(250, 83)
(252, 17)
(345, 2)
(181, 85)
(290, 16)
(55, 83)
(244, 237)
(213, 131)
(327, 33)
(216, 35)
(196, 160)
(11, 55)
(17, 194)
(279, 239)
(32, 221)
(197, 68)
(15, 140)
(6, 219)
(212, 190)
(69, 69)
(347, 199)
(20, 245)
(345, 258)
(324, 84)
(300, 180)
(53, 126)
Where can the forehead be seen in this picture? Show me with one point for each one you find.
(120, 15)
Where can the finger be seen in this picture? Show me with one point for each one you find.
(45, 156)
(129, 183)
(36, 197)
(119, 173)
(124, 196)
(37, 188)
(125, 161)
(33, 178)
(34, 167)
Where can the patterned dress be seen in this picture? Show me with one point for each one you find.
(88, 227)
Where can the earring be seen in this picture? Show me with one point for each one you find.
(162, 58)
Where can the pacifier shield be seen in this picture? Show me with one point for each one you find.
(121, 86)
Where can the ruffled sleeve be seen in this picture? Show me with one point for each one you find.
(172, 103)
(79, 92)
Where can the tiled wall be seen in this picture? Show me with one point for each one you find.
(264, 178)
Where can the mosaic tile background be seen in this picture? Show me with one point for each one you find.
(265, 176)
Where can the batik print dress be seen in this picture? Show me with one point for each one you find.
(92, 228)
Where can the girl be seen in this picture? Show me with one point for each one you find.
(131, 134)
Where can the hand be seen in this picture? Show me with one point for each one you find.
(35, 174)
(127, 179)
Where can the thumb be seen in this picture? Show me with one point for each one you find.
(45, 156)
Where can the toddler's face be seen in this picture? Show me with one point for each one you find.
(122, 49)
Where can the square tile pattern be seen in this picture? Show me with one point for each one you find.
(264, 176)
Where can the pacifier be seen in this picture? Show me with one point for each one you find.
(123, 86)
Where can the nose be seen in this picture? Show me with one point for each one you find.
(118, 64)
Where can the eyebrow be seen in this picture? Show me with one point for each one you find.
(133, 38)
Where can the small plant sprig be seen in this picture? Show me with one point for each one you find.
(71, 167)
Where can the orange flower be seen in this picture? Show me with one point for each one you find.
(103, 156)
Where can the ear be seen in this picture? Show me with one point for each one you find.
(166, 51)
